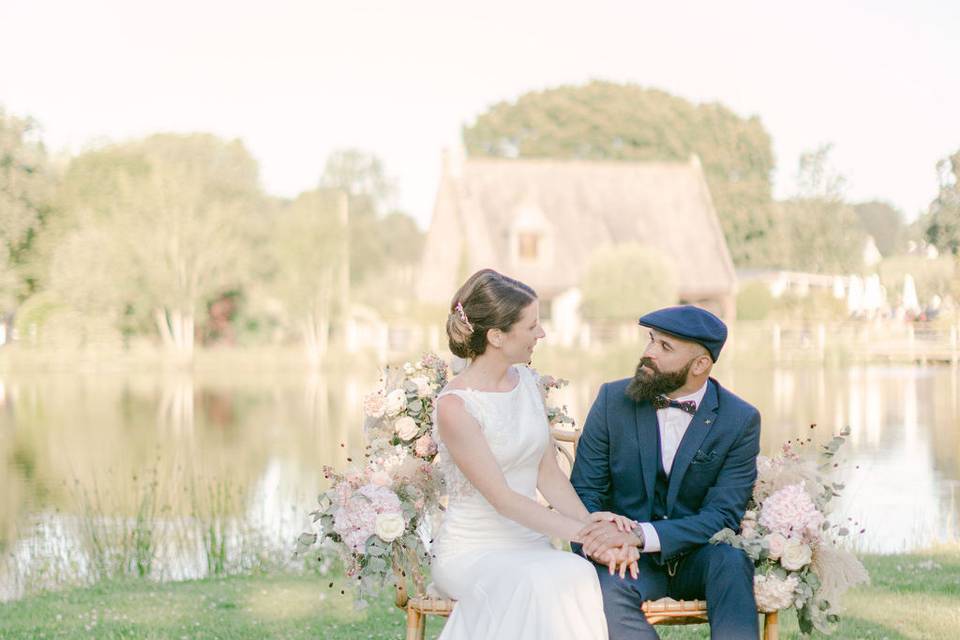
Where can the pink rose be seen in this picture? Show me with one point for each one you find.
(425, 446)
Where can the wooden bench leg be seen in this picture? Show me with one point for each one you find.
(771, 629)
(416, 624)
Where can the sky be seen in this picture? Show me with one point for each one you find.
(297, 80)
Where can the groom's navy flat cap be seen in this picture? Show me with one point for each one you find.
(689, 323)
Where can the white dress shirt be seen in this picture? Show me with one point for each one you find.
(673, 423)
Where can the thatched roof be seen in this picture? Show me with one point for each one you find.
(581, 206)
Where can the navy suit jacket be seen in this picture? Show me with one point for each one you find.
(712, 475)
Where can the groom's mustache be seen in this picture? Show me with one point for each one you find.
(647, 362)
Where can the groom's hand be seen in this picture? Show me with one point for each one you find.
(621, 560)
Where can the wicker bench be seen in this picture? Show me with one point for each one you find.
(665, 611)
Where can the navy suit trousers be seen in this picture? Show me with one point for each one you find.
(719, 574)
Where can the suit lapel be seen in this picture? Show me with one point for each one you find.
(700, 425)
(647, 426)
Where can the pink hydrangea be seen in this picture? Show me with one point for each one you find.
(791, 513)
(356, 520)
(772, 593)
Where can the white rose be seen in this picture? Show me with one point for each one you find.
(423, 386)
(395, 402)
(389, 526)
(406, 427)
(775, 545)
(796, 555)
(748, 531)
(408, 368)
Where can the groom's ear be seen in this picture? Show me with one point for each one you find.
(702, 364)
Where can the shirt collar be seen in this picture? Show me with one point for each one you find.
(696, 396)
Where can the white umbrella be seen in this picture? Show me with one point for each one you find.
(910, 302)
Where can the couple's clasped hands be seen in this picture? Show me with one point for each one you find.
(608, 539)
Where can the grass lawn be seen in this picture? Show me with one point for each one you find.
(912, 596)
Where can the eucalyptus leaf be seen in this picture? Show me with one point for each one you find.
(376, 564)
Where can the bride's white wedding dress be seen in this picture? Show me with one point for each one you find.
(509, 582)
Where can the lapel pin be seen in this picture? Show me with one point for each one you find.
(707, 421)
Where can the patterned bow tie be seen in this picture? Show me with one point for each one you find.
(662, 402)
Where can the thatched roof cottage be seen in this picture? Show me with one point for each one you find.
(540, 220)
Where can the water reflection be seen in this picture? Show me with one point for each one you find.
(264, 438)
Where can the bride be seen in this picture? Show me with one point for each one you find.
(492, 553)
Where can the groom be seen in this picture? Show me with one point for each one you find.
(675, 451)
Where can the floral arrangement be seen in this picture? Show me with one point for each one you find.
(555, 415)
(787, 533)
(377, 516)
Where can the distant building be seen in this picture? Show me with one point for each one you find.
(540, 221)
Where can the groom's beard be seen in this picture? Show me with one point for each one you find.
(648, 384)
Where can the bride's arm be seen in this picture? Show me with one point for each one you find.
(464, 440)
(556, 488)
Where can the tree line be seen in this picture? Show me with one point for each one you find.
(816, 229)
(173, 237)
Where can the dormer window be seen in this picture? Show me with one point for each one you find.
(528, 246)
(530, 237)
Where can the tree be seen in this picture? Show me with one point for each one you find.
(624, 280)
(173, 212)
(608, 121)
(307, 258)
(26, 184)
(941, 224)
(884, 223)
(823, 232)
(363, 178)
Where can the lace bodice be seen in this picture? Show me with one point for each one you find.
(514, 424)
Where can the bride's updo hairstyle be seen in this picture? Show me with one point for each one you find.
(487, 300)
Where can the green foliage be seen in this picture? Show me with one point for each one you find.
(824, 233)
(816, 306)
(754, 302)
(941, 224)
(362, 177)
(909, 596)
(26, 185)
(304, 261)
(159, 225)
(305, 247)
(623, 281)
(608, 121)
(884, 223)
(385, 246)
(401, 240)
(825, 236)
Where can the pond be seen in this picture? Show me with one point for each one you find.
(215, 470)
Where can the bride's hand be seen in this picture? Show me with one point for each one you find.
(622, 523)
